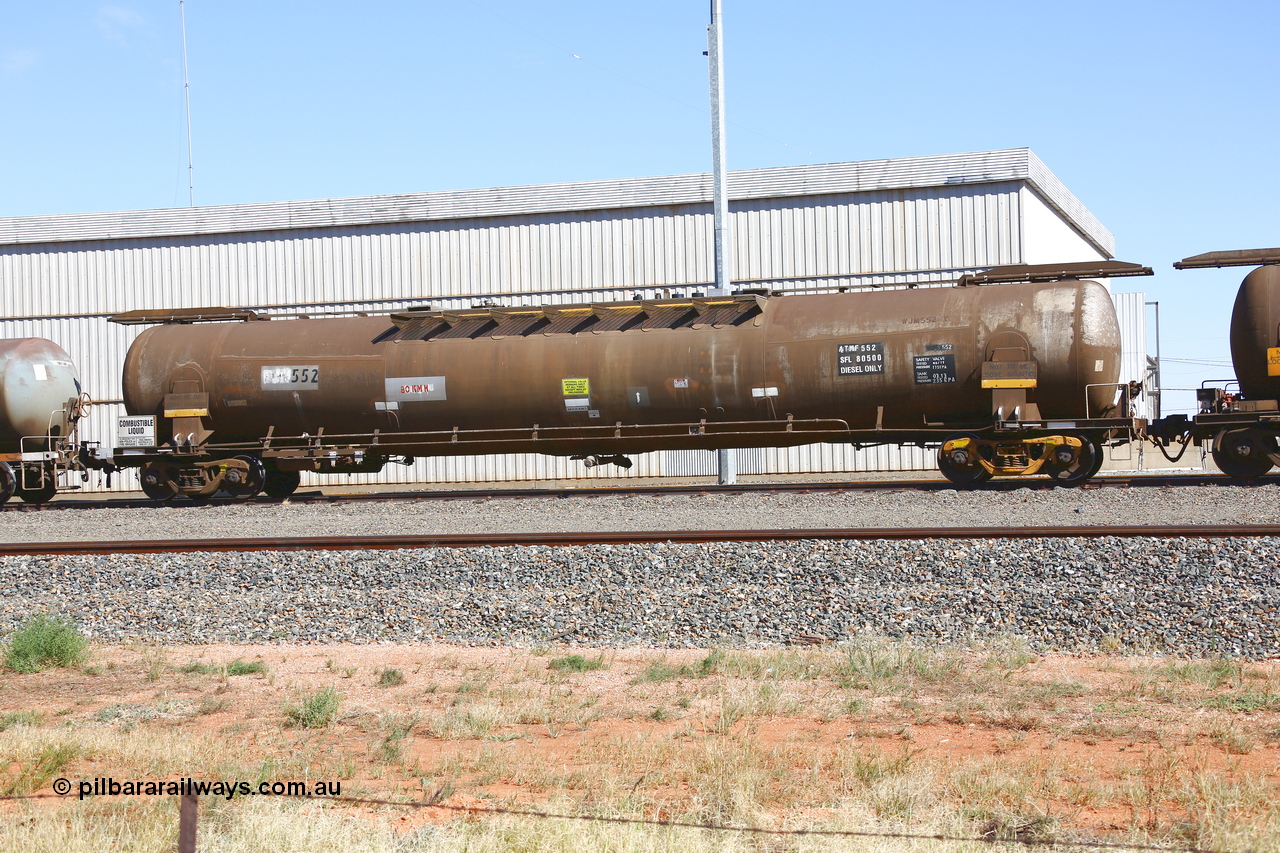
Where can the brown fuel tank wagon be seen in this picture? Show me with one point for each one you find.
(1014, 379)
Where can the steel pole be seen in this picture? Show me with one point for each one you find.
(1158, 395)
(726, 460)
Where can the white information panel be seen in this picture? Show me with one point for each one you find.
(136, 431)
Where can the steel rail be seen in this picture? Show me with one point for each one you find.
(629, 537)
(69, 500)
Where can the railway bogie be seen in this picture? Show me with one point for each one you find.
(1068, 457)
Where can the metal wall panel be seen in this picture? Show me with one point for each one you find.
(818, 458)
(1131, 311)
(805, 459)
(1132, 314)
(882, 238)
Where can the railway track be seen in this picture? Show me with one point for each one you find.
(71, 501)
(476, 540)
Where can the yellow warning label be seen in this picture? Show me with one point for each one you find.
(1273, 361)
(575, 387)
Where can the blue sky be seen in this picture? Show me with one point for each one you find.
(1159, 116)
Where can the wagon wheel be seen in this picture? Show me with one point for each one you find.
(156, 483)
(1072, 465)
(1100, 456)
(43, 493)
(247, 484)
(1242, 453)
(7, 482)
(960, 465)
(281, 484)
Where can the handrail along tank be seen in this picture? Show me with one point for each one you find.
(39, 403)
(605, 379)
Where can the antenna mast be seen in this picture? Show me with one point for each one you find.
(186, 88)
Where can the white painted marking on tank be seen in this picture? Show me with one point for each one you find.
(42, 372)
(1061, 300)
(1098, 324)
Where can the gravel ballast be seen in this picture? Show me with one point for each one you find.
(752, 511)
(1180, 596)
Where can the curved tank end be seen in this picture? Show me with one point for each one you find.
(1255, 329)
(37, 378)
(1099, 346)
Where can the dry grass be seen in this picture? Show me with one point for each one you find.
(876, 734)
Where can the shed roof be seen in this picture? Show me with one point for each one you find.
(982, 167)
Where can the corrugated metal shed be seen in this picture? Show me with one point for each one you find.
(882, 238)
(890, 223)
(949, 170)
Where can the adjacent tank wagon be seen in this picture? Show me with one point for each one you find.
(1010, 379)
(1241, 423)
(40, 404)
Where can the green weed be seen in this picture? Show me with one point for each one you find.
(197, 668)
(576, 663)
(315, 711)
(236, 667)
(390, 677)
(243, 667)
(1246, 702)
(660, 670)
(19, 718)
(34, 776)
(43, 642)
